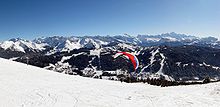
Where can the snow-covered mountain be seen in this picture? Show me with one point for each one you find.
(167, 37)
(28, 86)
(174, 39)
(170, 56)
(61, 44)
(21, 45)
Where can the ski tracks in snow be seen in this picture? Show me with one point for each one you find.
(38, 98)
(42, 88)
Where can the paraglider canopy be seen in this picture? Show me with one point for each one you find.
(131, 57)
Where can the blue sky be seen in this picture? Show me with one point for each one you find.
(34, 18)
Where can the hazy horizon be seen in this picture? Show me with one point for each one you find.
(35, 37)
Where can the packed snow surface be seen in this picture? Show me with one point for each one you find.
(27, 86)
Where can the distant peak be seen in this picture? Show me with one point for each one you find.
(16, 39)
(127, 35)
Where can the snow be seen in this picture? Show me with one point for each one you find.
(81, 53)
(171, 39)
(126, 46)
(62, 66)
(71, 45)
(10, 44)
(90, 43)
(161, 64)
(160, 72)
(7, 44)
(14, 58)
(31, 45)
(101, 42)
(64, 58)
(27, 86)
(153, 39)
(95, 52)
(184, 65)
(152, 58)
(178, 63)
(21, 45)
(214, 67)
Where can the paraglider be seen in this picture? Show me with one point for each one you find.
(131, 57)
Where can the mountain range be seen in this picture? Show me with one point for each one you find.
(169, 56)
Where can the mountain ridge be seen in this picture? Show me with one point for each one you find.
(173, 58)
(60, 43)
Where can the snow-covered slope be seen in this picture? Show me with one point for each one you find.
(21, 45)
(27, 86)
